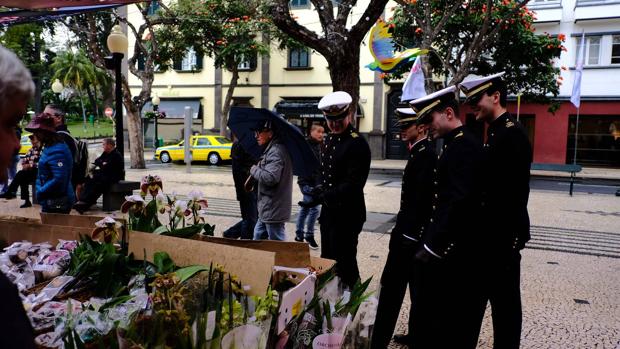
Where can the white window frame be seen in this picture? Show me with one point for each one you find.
(614, 38)
(588, 47)
(189, 61)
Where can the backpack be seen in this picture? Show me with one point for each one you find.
(80, 158)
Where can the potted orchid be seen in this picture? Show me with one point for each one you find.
(166, 214)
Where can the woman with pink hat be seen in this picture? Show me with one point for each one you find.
(54, 190)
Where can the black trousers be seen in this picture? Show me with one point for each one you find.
(244, 229)
(93, 189)
(400, 270)
(22, 180)
(504, 294)
(339, 238)
(453, 290)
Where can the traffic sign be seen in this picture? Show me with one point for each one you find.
(108, 112)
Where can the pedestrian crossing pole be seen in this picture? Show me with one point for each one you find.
(188, 138)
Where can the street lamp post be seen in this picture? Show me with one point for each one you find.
(155, 101)
(117, 44)
(57, 88)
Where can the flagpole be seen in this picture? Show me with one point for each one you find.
(572, 174)
(518, 105)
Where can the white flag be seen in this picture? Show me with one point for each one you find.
(414, 85)
(575, 98)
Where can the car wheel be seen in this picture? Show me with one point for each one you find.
(214, 158)
(165, 157)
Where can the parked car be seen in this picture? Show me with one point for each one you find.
(213, 149)
(25, 144)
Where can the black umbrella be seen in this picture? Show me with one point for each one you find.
(243, 122)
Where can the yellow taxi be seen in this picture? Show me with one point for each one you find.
(25, 144)
(213, 149)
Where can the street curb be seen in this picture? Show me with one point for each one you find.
(550, 177)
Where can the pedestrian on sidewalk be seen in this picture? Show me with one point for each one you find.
(451, 252)
(345, 163)
(401, 269)
(242, 161)
(308, 185)
(54, 189)
(78, 175)
(16, 90)
(108, 171)
(505, 193)
(26, 175)
(274, 175)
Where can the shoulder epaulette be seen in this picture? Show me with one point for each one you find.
(421, 148)
(460, 134)
(509, 124)
(354, 134)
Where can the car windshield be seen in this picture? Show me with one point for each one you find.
(223, 140)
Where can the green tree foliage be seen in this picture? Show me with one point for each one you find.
(26, 40)
(482, 37)
(229, 31)
(75, 70)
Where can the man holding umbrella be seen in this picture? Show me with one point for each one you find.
(274, 175)
(344, 169)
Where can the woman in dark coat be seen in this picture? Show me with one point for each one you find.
(54, 190)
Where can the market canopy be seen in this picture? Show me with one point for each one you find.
(24, 16)
(43, 4)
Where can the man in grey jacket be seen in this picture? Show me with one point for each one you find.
(274, 174)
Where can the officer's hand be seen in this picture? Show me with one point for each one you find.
(317, 190)
(316, 200)
(423, 255)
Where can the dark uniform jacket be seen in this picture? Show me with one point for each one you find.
(109, 167)
(316, 176)
(241, 163)
(416, 194)
(453, 228)
(344, 170)
(507, 159)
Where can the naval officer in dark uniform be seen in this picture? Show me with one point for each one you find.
(506, 189)
(411, 221)
(344, 169)
(450, 249)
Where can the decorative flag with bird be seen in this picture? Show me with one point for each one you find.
(382, 49)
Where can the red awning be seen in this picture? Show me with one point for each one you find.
(39, 4)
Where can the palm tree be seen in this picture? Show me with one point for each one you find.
(74, 70)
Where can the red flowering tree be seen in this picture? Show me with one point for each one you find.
(481, 37)
(229, 31)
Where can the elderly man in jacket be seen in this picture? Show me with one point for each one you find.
(274, 175)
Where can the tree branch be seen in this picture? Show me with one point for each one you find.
(373, 11)
(282, 19)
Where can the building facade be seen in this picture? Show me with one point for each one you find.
(291, 83)
(598, 130)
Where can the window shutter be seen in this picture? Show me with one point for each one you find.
(199, 56)
(176, 64)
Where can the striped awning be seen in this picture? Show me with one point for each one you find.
(51, 4)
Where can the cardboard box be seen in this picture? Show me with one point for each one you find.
(12, 230)
(287, 254)
(69, 220)
(253, 267)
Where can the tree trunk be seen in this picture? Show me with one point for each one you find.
(83, 110)
(228, 100)
(134, 129)
(344, 71)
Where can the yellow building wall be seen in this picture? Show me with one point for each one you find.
(283, 83)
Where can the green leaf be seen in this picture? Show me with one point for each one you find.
(160, 230)
(186, 232)
(163, 262)
(185, 273)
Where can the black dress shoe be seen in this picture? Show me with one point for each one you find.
(402, 339)
(26, 203)
(7, 195)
